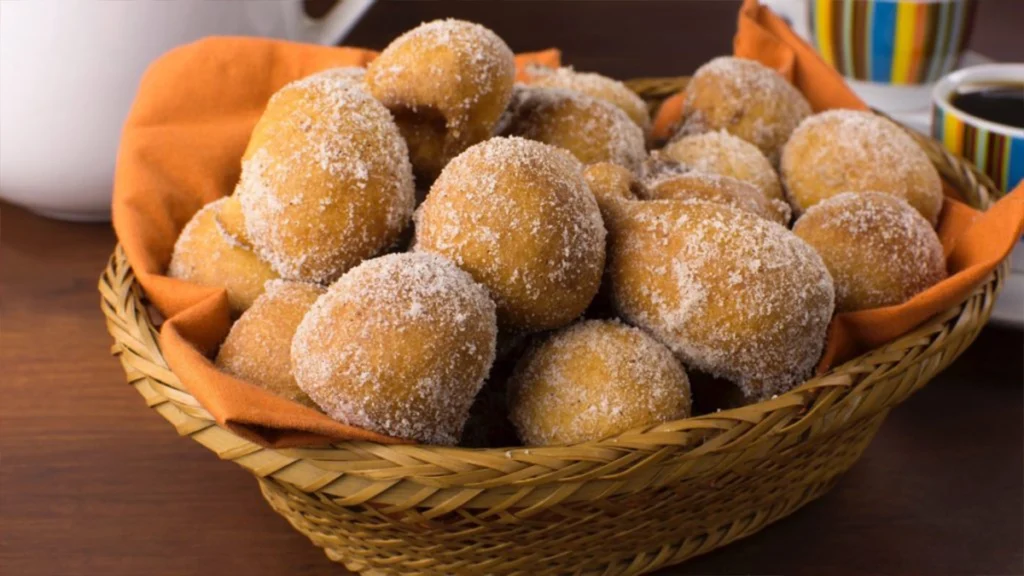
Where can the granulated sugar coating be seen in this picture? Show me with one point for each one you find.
(592, 130)
(600, 87)
(748, 100)
(661, 184)
(399, 345)
(730, 293)
(327, 182)
(206, 255)
(595, 379)
(258, 347)
(447, 82)
(610, 184)
(852, 151)
(354, 73)
(231, 220)
(518, 216)
(878, 249)
(722, 153)
(294, 94)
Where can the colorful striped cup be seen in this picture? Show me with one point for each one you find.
(996, 149)
(901, 42)
(890, 51)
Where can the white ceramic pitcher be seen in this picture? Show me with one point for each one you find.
(69, 70)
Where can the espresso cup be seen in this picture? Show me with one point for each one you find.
(891, 52)
(996, 149)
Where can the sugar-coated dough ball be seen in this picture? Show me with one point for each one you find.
(232, 221)
(610, 183)
(400, 345)
(600, 87)
(747, 99)
(282, 105)
(878, 249)
(353, 73)
(326, 180)
(447, 83)
(205, 254)
(730, 293)
(592, 380)
(851, 151)
(670, 180)
(258, 347)
(722, 153)
(518, 216)
(592, 130)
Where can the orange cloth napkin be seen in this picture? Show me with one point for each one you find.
(180, 149)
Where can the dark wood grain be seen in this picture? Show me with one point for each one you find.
(93, 482)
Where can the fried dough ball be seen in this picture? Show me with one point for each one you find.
(354, 73)
(232, 221)
(595, 379)
(602, 88)
(205, 254)
(747, 99)
(446, 82)
(258, 347)
(400, 345)
(731, 294)
(518, 216)
(670, 180)
(326, 183)
(592, 130)
(878, 249)
(722, 153)
(851, 151)
(283, 104)
(610, 183)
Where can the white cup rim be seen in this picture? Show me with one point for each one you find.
(983, 72)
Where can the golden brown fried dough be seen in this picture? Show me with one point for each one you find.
(400, 345)
(669, 180)
(447, 83)
(592, 130)
(747, 99)
(518, 216)
(851, 151)
(205, 254)
(595, 379)
(326, 180)
(600, 87)
(722, 153)
(258, 347)
(878, 249)
(730, 293)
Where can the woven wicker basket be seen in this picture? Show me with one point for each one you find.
(625, 505)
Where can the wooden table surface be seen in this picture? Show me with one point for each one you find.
(93, 482)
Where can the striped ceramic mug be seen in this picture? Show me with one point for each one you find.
(890, 51)
(996, 149)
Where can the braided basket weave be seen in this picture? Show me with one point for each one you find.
(625, 505)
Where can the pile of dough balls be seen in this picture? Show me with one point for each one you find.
(424, 241)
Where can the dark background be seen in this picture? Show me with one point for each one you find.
(630, 38)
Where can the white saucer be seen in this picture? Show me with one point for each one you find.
(1009, 308)
(921, 118)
